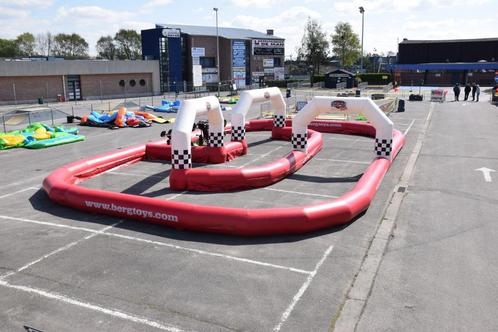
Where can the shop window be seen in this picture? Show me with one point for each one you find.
(207, 62)
(277, 62)
(133, 83)
(122, 83)
(142, 82)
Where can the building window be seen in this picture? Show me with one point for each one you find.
(133, 83)
(277, 62)
(207, 62)
(142, 82)
(122, 83)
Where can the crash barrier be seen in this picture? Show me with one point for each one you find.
(363, 105)
(61, 186)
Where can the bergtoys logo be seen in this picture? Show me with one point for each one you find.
(267, 95)
(339, 104)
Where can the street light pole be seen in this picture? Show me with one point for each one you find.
(217, 51)
(362, 12)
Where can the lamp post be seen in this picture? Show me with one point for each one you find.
(217, 51)
(362, 12)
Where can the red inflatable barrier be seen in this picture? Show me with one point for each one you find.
(61, 186)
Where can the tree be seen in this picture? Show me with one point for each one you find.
(71, 46)
(128, 45)
(8, 48)
(346, 44)
(314, 48)
(26, 44)
(106, 48)
(44, 43)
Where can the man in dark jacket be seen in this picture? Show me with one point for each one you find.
(456, 91)
(467, 91)
(474, 90)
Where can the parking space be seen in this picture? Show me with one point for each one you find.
(63, 268)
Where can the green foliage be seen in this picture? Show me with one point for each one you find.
(346, 44)
(70, 46)
(106, 48)
(318, 78)
(374, 78)
(128, 45)
(314, 46)
(26, 44)
(8, 48)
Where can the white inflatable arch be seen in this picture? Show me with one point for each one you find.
(248, 99)
(181, 135)
(383, 125)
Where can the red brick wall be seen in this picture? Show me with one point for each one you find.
(29, 88)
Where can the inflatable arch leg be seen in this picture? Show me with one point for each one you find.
(249, 98)
(181, 151)
(382, 124)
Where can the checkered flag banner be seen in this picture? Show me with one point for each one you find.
(383, 147)
(216, 140)
(181, 159)
(299, 141)
(238, 133)
(279, 121)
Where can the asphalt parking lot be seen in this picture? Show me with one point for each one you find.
(64, 269)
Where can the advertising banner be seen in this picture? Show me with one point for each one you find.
(279, 73)
(198, 52)
(197, 75)
(268, 62)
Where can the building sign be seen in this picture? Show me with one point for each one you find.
(268, 47)
(238, 53)
(171, 33)
(279, 73)
(197, 75)
(269, 71)
(210, 75)
(268, 62)
(198, 52)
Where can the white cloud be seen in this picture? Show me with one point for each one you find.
(156, 3)
(27, 3)
(255, 3)
(8, 13)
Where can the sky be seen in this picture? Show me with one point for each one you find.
(386, 21)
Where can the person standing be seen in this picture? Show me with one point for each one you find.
(456, 91)
(467, 91)
(474, 90)
(478, 92)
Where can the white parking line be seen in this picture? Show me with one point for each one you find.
(164, 244)
(19, 191)
(95, 307)
(299, 193)
(61, 249)
(177, 195)
(135, 175)
(345, 161)
(260, 157)
(301, 290)
(409, 127)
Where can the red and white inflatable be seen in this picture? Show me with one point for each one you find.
(62, 184)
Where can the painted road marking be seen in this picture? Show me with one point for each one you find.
(260, 157)
(409, 127)
(345, 161)
(301, 290)
(91, 306)
(19, 191)
(486, 172)
(159, 243)
(61, 249)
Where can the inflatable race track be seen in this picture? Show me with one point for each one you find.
(304, 134)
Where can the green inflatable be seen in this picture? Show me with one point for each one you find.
(38, 136)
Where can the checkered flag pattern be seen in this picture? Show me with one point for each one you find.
(383, 147)
(279, 121)
(181, 159)
(299, 141)
(216, 140)
(238, 133)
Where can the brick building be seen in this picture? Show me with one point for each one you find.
(28, 80)
(187, 55)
